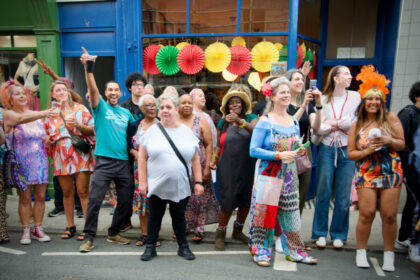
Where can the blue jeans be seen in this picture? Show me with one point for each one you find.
(325, 172)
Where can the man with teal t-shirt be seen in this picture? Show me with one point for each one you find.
(111, 157)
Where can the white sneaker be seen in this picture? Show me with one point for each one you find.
(40, 235)
(279, 247)
(338, 244)
(321, 242)
(413, 253)
(388, 261)
(402, 245)
(26, 236)
(361, 259)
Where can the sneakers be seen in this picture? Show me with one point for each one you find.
(39, 234)
(321, 242)
(402, 245)
(118, 239)
(361, 259)
(26, 236)
(279, 247)
(185, 252)
(338, 244)
(126, 226)
(413, 253)
(86, 246)
(149, 253)
(55, 212)
(388, 261)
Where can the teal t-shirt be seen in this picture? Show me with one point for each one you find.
(111, 125)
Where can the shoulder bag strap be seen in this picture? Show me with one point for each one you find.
(178, 154)
(68, 129)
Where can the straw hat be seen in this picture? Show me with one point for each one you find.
(235, 93)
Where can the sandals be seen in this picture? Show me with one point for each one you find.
(69, 232)
(198, 237)
(263, 263)
(81, 237)
(141, 241)
(309, 260)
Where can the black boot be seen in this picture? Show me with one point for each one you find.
(149, 253)
(185, 252)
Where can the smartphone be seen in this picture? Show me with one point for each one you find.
(312, 84)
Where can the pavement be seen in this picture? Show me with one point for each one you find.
(55, 226)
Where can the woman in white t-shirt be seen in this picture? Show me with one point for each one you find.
(338, 113)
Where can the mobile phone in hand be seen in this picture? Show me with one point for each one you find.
(312, 84)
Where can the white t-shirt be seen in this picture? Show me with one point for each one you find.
(166, 175)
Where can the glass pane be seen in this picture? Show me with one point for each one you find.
(24, 41)
(20, 65)
(164, 17)
(352, 29)
(309, 18)
(216, 16)
(5, 41)
(265, 16)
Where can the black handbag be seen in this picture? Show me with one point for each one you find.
(76, 140)
(178, 154)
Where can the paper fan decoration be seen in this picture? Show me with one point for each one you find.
(255, 81)
(228, 76)
(278, 46)
(303, 46)
(166, 60)
(238, 41)
(191, 59)
(217, 57)
(263, 54)
(312, 74)
(299, 56)
(240, 60)
(181, 45)
(149, 59)
(309, 57)
(283, 53)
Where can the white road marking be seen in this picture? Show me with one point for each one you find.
(12, 251)
(280, 263)
(377, 267)
(202, 253)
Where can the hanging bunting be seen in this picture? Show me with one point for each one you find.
(263, 54)
(166, 60)
(299, 56)
(217, 57)
(191, 59)
(303, 46)
(283, 53)
(149, 59)
(241, 60)
(312, 74)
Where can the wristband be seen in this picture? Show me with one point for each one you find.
(243, 124)
(216, 156)
(318, 107)
(277, 155)
(90, 65)
(198, 183)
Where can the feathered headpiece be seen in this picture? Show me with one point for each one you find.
(373, 83)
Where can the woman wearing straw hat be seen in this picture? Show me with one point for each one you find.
(235, 166)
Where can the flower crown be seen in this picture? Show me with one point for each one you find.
(373, 83)
(267, 89)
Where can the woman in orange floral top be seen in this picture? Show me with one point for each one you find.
(70, 164)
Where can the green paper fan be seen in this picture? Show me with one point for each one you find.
(283, 53)
(166, 60)
(309, 57)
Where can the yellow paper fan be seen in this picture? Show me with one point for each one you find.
(278, 46)
(263, 54)
(255, 81)
(217, 57)
(229, 76)
(179, 46)
(238, 41)
(303, 49)
(161, 46)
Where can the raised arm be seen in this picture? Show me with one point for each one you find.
(11, 118)
(90, 79)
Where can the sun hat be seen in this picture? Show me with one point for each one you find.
(235, 93)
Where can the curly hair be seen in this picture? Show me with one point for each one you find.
(7, 91)
(135, 76)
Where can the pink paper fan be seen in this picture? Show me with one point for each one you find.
(149, 59)
(240, 61)
(191, 59)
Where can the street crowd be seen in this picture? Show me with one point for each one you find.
(162, 150)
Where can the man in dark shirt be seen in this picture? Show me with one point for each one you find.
(135, 83)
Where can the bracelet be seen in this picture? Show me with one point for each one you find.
(318, 107)
(277, 155)
(216, 156)
(243, 124)
(198, 183)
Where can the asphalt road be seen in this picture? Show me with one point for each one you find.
(60, 259)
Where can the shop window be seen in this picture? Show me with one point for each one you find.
(216, 16)
(21, 66)
(264, 16)
(164, 17)
(27, 41)
(351, 29)
(5, 41)
(309, 18)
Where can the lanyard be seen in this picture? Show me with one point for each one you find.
(342, 108)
